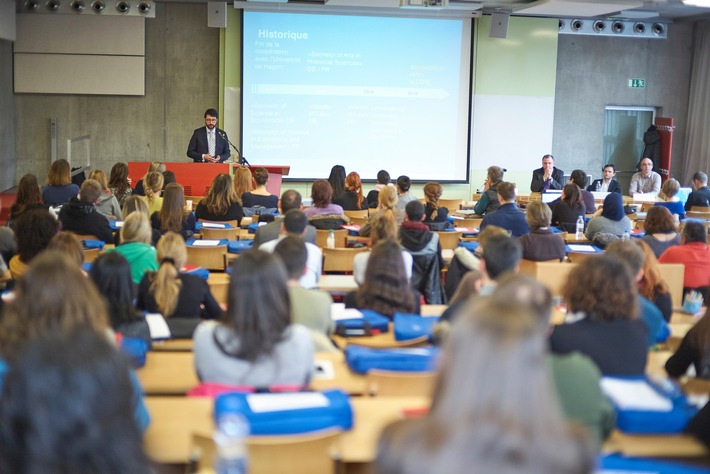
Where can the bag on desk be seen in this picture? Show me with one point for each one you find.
(408, 359)
(289, 413)
(412, 326)
(371, 323)
(647, 406)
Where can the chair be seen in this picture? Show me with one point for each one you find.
(341, 236)
(449, 240)
(452, 205)
(469, 222)
(673, 274)
(389, 383)
(211, 258)
(359, 213)
(703, 216)
(316, 453)
(211, 233)
(361, 221)
(90, 255)
(704, 209)
(553, 275)
(529, 267)
(340, 259)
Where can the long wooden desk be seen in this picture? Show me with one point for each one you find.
(175, 419)
(337, 284)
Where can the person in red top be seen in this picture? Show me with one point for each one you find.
(694, 253)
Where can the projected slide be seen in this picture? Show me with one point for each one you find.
(365, 92)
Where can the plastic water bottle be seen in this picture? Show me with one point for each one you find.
(330, 243)
(626, 235)
(230, 438)
(580, 228)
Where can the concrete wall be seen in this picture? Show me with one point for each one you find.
(182, 60)
(592, 72)
(7, 117)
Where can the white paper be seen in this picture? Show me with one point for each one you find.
(324, 370)
(581, 248)
(118, 224)
(338, 312)
(353, 227)
(266, 402)
(205, 243)
(465, 212)
(158, 326)
(212, 225)
(634, 395)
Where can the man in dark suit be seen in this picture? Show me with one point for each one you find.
(548, 177)
(607, 184)
(290, 199)
(701, 195)
(209, 143)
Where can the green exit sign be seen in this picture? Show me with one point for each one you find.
(637, 83)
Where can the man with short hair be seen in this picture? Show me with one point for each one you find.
(308, 307)
(290, 199)
(701, 193)
(80, 216)
(294, 224)
(548, 177)
(508, 215)
(209, 144)
(694, 253)
(645, 181)
(403, 185)
(606, 184)
(502, 256)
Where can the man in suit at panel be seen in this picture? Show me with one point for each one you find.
(290, 199)
(209, 143)
(548, 177)
(607, 184)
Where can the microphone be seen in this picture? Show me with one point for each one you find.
(242, 160)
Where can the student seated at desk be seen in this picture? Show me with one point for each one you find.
(173, 217)
(135, 245)
(670, 201)
(494, 408)
(386, 204)
(383, 227)
(568, 209)
(541, 244)
(64, 409)
(255, 343)
(661, 230)
(221, 202)
(610, 219)
(182, 298)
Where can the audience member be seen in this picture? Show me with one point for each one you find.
(383, 180)
(290, 199)
(112, 275)
(65, 397)
(403, 197)
(435, 216)
(494, 405)
(579, 177)
(652, 285)
(610, 219)
(221, 202)
(548, 177)
(168, 177)
(603, 318)
(255, 342)
(140, 185)
(243, 181)
(645, 181)
(119, 183)
(337, 180)
(260, 200)
(387, 205)
(701, 193)
(295, 224)
(352, 199)
(489, 197)
(33, 231)
(80, 216)
(607, 184)
(508, 215)
(107, 205)
(29, 196)
(153, 187)
(694, 253)
(323, 214)
(660, 229)
(59, 188)
(173, 216)
(183, 299)
(137, 203)
(541, 244)
(384, 227)
(135, 245)
(568, 209)
(693, 350)
(69, 245)
(669, 190)
(501, 256)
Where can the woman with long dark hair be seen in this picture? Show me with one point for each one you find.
(255, 343)
(173, 216)
(119, 183)
(29, 196)
(568, 209)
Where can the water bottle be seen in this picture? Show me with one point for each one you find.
(230, 439)
(330, 243)
(580, 228)
(626, 235)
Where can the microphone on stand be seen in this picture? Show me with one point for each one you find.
(242, 160)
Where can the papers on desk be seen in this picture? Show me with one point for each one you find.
(581, 248)
(465, 212)
(634, 395)
(338, 312)
(268, 402)
(205, 243)
(118, 224)
(213, 225)
(158, 326)
(324, 370)
(352, 227)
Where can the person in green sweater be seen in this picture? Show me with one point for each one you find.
(135, 245)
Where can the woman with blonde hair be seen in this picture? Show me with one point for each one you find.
(242, 181)
(173, 217)
(221, 202)
(671, 201)
(119, 183)
(153, 186)
(494, 407)
(67, 243)
(386, 204)
(178, 296)
(383, 227)
(108, 204)
(433, 213)
(135, 245)
(59, 188)
(140, 185)
(352, 199)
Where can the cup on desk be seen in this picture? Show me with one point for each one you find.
(188, 204)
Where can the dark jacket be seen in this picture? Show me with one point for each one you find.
(614, 186)
(699, 197)
(509, 217)
(537, 183)
(82, 218)
(651, 147)
(348, 201)
(427, 262)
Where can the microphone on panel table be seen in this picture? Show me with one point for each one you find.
(242, 160)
